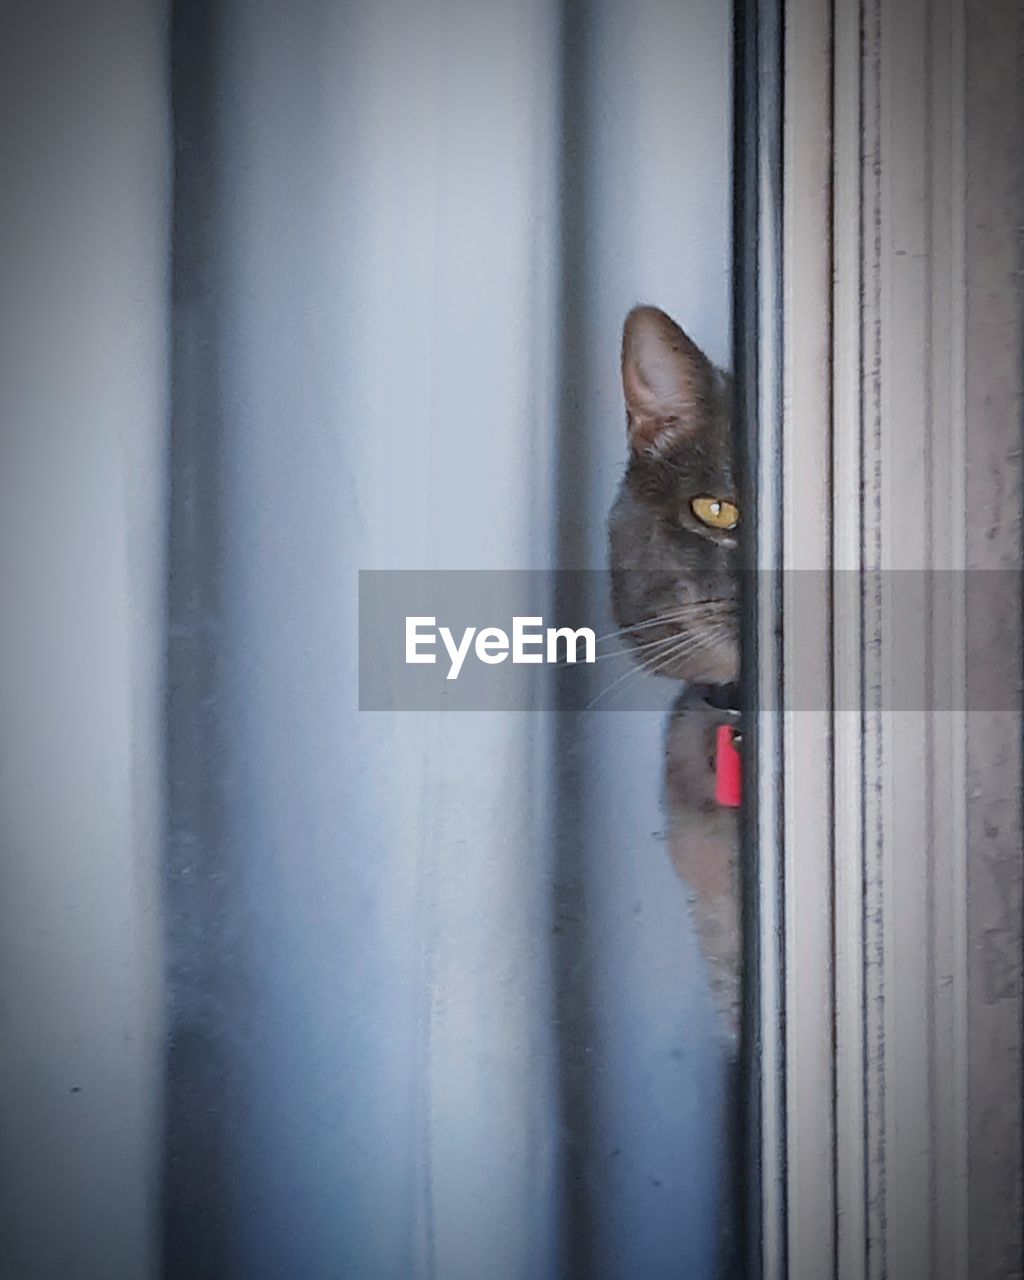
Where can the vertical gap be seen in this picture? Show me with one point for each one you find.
(831, 216)
(877, 1233)
(194, 1177)
(958, 509)
(862, 633)
(930, 743)
(571, 942)
(759, 358)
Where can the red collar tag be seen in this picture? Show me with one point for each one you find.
(728, 768)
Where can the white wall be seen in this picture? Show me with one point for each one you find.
(83, 252)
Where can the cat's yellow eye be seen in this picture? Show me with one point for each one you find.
(716, 512)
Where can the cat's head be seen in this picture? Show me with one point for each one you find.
(674, 527)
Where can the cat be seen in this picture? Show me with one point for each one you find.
(675, 578)
(675, 574)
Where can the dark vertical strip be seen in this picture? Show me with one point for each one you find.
(757, 362)
(571, 941)
(742, 1094)
(193, 1224)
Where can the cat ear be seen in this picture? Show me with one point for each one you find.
(666, 378)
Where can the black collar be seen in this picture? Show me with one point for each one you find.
(723, 697)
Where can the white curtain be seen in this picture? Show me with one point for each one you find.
(432, 1004)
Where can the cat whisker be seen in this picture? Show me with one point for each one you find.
(665, 646)
(705, 640)
(680, 614)
(658, 663)
(624, 651)
(670, 650)
(715, 628)
(666, 620)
